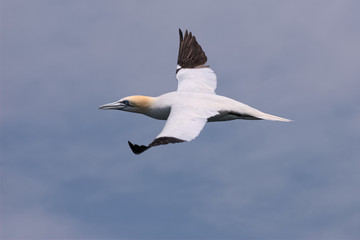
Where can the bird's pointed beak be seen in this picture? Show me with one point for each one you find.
(114, 105)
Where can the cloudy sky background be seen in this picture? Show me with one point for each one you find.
(68, 173)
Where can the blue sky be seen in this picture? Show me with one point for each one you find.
(68, 173)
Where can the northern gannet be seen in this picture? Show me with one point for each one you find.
(192, 105)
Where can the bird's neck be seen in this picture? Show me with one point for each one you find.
(152, 107)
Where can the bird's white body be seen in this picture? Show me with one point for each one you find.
(225, 108)
(195, 102)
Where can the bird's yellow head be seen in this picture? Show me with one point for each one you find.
(136, 103)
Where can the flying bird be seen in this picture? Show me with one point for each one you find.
(195, 102)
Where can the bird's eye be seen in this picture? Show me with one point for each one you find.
(126, 102)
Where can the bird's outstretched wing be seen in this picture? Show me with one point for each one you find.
(191, 73)
(184, 124)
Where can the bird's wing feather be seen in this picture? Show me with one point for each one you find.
(191, 73)
(196, 80)
(191, 54)
(184, 124)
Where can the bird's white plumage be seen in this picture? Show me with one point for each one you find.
(193, 104)
(186, 122)
(201, 79)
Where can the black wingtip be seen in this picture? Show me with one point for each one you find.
(190, 54)
(158, 141)
(137, 149)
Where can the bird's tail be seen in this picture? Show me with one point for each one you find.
(266, 116)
